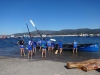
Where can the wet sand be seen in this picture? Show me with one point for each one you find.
(51, 65)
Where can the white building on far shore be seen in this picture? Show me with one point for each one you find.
(12, 36)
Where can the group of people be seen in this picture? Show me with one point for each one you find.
(43, 46)
(31, 47)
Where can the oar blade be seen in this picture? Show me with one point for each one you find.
(52, 39)
(32, 23)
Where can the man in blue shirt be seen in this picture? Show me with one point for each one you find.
(34, 44)
(39, 44)
(52, 45)
(60, 46)
(30, 49)
(49, 45)
(74, 46)
(43, 45)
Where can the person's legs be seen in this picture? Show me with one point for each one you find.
(35, 49)
(73, 50)
(52, 48)
(76, 50)
(40, 48)
(29, 54)
(45, 52)
(42, 52)
(60, 50)
(21, 51)
(48, 48)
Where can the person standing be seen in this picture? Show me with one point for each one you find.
(43, 44)
(74, 46)
(34, 46)
(60, 46)
(39, 44)
(30, 53)
(52, 45)
(49, 45)
(21, 44)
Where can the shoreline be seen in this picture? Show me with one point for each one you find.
(23, 66)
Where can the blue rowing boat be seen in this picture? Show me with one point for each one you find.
(82, 47)
(89, 47)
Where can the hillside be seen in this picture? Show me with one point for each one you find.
(63, 32)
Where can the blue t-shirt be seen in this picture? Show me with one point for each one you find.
(39, 43)
(49, 43)
(30, 45)
(75, 44)
(60, 44)
(52, 44)
(43, 43)
(34, 44)
(30, 42)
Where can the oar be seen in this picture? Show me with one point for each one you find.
(35, 27)
(41, 35)
(52, 39)
(28, 29)
(13, 43)
(56, 52)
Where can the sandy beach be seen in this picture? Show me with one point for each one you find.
(24, 66)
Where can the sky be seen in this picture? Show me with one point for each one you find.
(48, 15)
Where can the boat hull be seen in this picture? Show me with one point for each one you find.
(82, 47)
(89, 48)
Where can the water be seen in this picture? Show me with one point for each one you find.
(11, 50)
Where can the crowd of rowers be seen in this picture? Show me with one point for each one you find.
(43, 46)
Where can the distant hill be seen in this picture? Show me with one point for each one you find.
(42, 32)
(63, 32)
(79, 31)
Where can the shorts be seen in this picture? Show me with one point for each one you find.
(44, 47)
(49, 45)
(52, 45)
(21, 46)
(34, 45)
(29, 47)
(74, 47)
(39, 44)
(60, 47)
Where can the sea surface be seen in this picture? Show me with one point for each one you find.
(9, 48)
